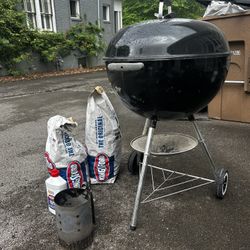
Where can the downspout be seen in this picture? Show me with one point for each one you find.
(54, 28)
(121, 20)
(98, 14)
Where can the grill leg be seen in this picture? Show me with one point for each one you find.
(203, 144)
(146, 126)
(142, 174)
(88, 185)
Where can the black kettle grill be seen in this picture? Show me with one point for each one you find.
(164, 69)
(167, 69)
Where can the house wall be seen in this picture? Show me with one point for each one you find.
(35, 65)
(108, 25)
(62, 15)
(88, 13)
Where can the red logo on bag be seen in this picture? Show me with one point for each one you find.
(101, 167)
(74, 175)
(50, 164)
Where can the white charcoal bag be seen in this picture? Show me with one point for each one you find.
(64, 152)
(102, 138)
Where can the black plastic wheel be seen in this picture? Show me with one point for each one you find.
(221, 181)
(133, 162)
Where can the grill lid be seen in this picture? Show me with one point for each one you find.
(167, 39)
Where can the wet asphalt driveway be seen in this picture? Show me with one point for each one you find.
(191, 220)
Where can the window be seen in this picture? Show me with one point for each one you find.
(46, 14)
(29, 7)
(117, 15)
(40, 14)
(74, 8)
(117, 21)
(105, 14)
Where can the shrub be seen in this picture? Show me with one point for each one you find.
(18, 42)
(15, 37)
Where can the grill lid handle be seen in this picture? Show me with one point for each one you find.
(123, 67)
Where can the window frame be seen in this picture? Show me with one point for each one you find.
(107, 13)
(45, 15)
(44, 19)
(77, 10)
(31, 13)
(117, 20)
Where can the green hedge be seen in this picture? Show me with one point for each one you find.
(18, 42)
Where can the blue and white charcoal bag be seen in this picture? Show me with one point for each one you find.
(102, 138)
(64, 152)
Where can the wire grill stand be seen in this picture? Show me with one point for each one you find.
(168, 176)
(148, 131)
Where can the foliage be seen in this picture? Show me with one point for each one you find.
(86, 39)
(49, 45)
(18, 42)
(15, 37)
(136, 11)
(188, 9)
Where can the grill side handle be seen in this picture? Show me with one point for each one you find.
(123, 67)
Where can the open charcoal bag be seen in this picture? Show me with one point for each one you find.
(102, 138)
(64, 152)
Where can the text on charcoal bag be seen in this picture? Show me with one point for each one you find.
(68, 145)
(99, 128)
